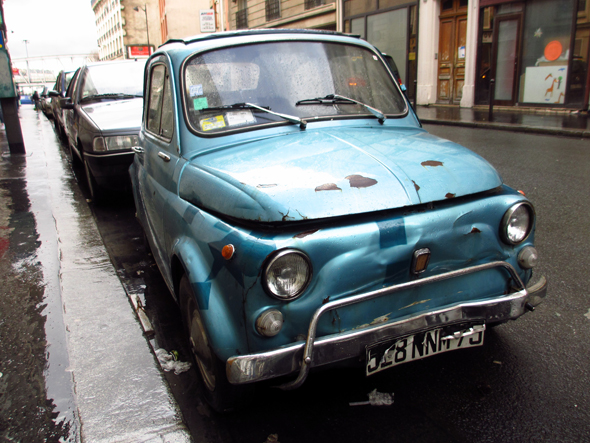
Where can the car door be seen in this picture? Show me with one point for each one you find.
(160, 155)
(70, 114)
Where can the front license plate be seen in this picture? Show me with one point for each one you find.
(385, 355)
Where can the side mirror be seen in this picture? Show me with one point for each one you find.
(66, 103)
(53, 94)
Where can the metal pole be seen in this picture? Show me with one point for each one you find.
(222, 17)
(27, 50)
(491, 109)
(147, 29)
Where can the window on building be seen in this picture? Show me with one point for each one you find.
(273, 10)
(242, 15)
(310, 4)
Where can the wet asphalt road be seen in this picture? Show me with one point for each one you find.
(529, 382)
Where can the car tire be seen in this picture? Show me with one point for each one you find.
(218, 392)
(96, 193)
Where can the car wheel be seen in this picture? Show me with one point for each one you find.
(95, 191)
(221, 395)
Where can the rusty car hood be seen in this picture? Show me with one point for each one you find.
(324, 173)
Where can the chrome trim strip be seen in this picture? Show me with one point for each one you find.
(337, 347)
(110, 154)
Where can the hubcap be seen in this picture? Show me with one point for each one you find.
(201, 350)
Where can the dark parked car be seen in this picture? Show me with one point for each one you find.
(102, 113)
(45, 102)
(302, 217)
(59, 91)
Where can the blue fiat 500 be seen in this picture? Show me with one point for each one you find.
(302, 217)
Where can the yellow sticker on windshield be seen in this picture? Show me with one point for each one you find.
(209, 124)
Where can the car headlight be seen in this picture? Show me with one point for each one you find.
(517, 223)
(287, 274)
(115, 143)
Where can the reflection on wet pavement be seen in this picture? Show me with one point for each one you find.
(36, 400)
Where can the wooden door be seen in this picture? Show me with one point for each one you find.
(451, 50)
(451, 58)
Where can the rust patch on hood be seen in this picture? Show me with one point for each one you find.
(449, 195)
(306, 233)
(416, 186)
(358, 181)
(432, 163)
(475, 231)
(328, 187)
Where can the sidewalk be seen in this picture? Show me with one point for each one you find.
(530, 120)
(61, 301)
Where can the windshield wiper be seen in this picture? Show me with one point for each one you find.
(335, 99)
(114, 95)
(291, 118)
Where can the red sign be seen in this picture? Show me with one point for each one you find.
(15, 71)
(139, 51)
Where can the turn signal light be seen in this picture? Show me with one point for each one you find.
(269, 323)
(420, 260)
(228, 251)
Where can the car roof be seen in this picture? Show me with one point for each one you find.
(251, 32)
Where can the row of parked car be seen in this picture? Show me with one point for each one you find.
(97, 111)
(296, 208)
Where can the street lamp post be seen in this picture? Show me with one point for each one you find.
(147, 29)
(27, 51)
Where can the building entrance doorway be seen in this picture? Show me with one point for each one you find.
(451, 51)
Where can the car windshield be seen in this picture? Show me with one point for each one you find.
(113, 80)
(294, 79)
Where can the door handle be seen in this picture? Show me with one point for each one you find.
(137, 149)
(163, 156)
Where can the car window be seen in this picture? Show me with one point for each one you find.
(69, 77)
(167, 111)
(160, 118)
(113, 78)
(72, 83)
(278, 75)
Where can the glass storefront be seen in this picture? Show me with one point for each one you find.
(390, 25)
(546, 51)
(526, 47)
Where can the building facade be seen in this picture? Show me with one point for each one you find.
(531, 53)
(306, 14)
(134, 29)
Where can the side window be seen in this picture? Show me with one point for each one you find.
(158, 75)
(70, 87)
(167, 128)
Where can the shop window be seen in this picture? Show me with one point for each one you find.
(358, 27)
(388, 32)
(386, 4)
(356, 7)
(546, 52)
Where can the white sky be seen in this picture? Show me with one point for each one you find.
(52, 27)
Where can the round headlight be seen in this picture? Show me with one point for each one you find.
(287, 274)
(517, 223)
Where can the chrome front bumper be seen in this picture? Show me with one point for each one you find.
(302, 356)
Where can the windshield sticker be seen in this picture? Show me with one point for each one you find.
(209, 124)
(200, 103)
(196, 90)
(236, 118)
